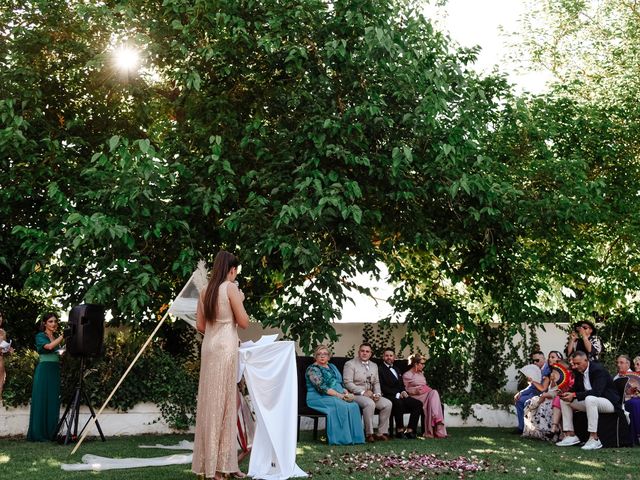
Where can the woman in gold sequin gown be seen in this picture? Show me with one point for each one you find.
(220, 311)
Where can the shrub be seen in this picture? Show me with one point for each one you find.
(168, 380)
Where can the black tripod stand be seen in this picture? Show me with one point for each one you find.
(71, 416)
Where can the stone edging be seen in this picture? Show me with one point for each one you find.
(146, 418)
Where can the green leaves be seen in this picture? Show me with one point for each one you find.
(114, 142)
(314, 141)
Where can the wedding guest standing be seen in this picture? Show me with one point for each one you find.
(583, 338)
(3, 352)
(220, 311)
(45, 395)
(416, 386)
(3, 337)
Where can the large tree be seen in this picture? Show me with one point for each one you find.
(591, 48)
(312, 138)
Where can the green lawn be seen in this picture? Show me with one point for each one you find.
(503, 455)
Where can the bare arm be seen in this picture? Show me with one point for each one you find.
(52, 345)
(573, 336)
(201, 322)
(587, 342)
(236, 297)
(541, 386)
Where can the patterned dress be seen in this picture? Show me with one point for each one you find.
(215, 443)
(538, 418)
(344, 424)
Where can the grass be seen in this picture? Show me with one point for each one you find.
(505, 455)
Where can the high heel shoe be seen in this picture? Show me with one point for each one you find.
(440, 430)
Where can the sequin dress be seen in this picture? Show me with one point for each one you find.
(215, 444)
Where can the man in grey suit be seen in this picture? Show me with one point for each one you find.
(360, 377)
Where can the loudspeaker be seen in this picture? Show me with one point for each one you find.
(85, 333)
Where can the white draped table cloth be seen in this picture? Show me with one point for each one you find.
(270, 373)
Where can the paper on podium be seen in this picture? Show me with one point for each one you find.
(263, 340)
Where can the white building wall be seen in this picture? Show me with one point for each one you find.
(146, 418)
(553, 337)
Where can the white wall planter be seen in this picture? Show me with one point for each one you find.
(483, 416)
(146, 418)
(143, 418)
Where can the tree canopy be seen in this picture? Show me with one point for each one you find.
(314, 139)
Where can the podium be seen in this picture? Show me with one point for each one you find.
(270, 374)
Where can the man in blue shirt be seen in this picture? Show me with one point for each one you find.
(521, 398)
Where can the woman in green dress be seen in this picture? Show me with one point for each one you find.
(45, 396)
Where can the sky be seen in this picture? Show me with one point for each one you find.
(469, 22)
(479, 22)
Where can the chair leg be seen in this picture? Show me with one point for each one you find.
(298, 436)
(315, 428)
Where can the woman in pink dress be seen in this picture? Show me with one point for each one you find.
(416, 386)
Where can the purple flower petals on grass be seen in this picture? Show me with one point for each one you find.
(413, 464)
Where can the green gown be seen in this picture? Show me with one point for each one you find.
(45, 396)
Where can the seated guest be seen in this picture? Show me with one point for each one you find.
(583, 338)
(416, 385)
(540, 416)
(623, 364)
(631, 396)
(593, 392)
(533, 389)
(326, 394)
(361, 379)
(636, 364)
(393, 389)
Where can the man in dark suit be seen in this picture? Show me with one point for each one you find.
(393, 389)
(593, 392)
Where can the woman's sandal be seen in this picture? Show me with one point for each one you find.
(553, 432)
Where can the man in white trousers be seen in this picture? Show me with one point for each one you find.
(593, 392)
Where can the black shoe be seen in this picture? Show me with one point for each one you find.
(400, 434)
(517, 431)
(410, 436)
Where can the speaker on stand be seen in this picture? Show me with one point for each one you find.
(84, 338)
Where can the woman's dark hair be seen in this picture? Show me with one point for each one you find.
(558, 354)
(43, 321)
(222, 264)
